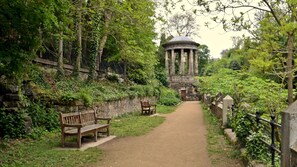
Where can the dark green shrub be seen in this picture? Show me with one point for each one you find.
(161, 76)
(43, 117)
(37, 76)
(12, 124)
(113, 77)
(241, 125)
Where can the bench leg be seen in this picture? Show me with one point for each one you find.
(78, 140)
(95, 135)
(63, 139)
(107, 131)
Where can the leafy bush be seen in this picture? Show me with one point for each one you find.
(241, 125)
(256, 149)
(43, 117)
(264, 94)
(36, 75)
(161, 75)
(12, 124)
(168, 97)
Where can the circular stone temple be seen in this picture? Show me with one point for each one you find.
(181, 64)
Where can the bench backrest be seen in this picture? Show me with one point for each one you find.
(78, 118)
(145, 103)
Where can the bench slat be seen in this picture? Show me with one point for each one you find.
(87, 128)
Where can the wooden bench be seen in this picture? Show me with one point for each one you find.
(80, 124)
(147, 108)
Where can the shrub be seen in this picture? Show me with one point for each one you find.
(168, 97)
(43, 117)
(256, 149)
(12, 124)
(241, 125)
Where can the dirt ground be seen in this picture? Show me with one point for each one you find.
(179, 142)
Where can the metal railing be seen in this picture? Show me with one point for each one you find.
(273, 125)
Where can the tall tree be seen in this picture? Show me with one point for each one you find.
(182, 24)
(283, 13)
(22, 22)
(204, 57)
(79, 27)
(135, 34)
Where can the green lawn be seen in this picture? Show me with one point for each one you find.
(44, 152)
(221, 152)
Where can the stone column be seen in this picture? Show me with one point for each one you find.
(289, 135)
(166, 62)
(182, 63)
(227, 103)
(191, 72)
(196, 62)
(172, 72)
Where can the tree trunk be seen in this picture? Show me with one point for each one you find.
(100, 50)
(60, 58)
(108, 17)
(290, 67)
(79, 42)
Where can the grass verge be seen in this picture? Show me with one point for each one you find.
(43, 152)
(134, 124)
(162, 109)
(221, 152)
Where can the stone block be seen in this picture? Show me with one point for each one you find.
(231, 135)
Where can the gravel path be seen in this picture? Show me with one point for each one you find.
(179, 142)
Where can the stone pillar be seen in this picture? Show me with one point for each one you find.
(172, 72)
(289, 134)
(227, 103)
(196, 63)
(166, 62)
(182, 63)
(191, 72)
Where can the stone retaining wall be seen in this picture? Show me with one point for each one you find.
(109, 109)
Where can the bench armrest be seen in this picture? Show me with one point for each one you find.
(104, 119)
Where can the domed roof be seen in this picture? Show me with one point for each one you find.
(175, 39)
(181, 40)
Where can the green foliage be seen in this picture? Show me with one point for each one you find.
(161, 76)
(134, 35)
(113, 77)
(22, 24)
(168, 97)
(92, 92)
(137, 75)
(256, 149)
(204, 56)
(264, 94)
(37, 76)
(11, 124)
(241, 125)
(43, 117)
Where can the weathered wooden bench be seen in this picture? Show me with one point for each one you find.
(80, 124)
(147, 108)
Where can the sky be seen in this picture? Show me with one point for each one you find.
(216, 38)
